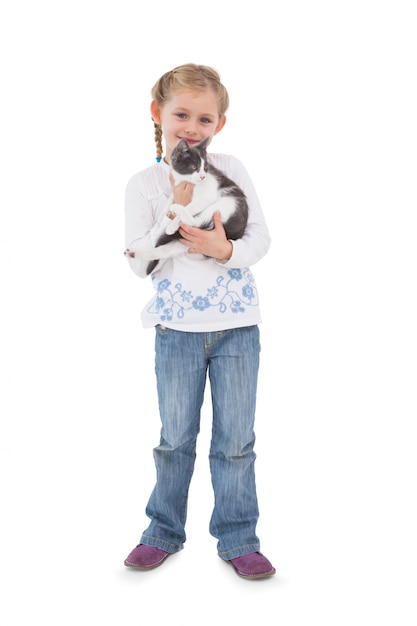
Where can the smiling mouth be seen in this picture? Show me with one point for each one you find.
(190, 141)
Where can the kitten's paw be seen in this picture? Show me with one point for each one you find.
(129, 253)
(173, 226)
(187, 217)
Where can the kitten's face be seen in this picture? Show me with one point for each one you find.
(189, 163)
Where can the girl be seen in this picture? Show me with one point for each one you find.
(205, 313)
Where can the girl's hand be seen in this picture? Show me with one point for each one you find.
(213, 243)
(182, 192)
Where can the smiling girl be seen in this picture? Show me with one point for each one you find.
(205, 312)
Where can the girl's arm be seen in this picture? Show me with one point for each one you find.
(150, 196)
(145, 221)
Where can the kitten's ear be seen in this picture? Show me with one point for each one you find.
(182, 146)
(203, 144)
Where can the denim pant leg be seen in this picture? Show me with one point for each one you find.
(181, 368)
(233, 373)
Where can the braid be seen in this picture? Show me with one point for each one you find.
(158, 141)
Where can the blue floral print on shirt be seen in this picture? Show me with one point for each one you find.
(233, 294)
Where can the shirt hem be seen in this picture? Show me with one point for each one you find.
(203, 328)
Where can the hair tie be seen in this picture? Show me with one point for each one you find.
(158, 159)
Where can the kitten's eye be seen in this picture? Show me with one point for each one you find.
(193, 167)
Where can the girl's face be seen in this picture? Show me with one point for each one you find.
(189, 115)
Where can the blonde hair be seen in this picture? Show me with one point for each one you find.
(188, 76)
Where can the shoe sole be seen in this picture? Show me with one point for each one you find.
(252, 576)
(144, 568)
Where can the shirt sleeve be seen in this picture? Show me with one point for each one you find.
(256, 241)
(142, 226)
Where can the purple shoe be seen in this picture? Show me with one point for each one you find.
(146, 557)
(253, 565)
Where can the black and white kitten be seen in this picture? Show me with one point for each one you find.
(213, 191)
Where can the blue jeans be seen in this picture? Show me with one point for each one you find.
(183, 359)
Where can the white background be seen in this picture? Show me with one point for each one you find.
(323, 115)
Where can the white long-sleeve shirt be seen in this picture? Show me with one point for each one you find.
(194, 292)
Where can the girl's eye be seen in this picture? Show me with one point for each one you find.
(181, 115)
(205, 120)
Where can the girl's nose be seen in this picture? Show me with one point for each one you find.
(190, 130)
